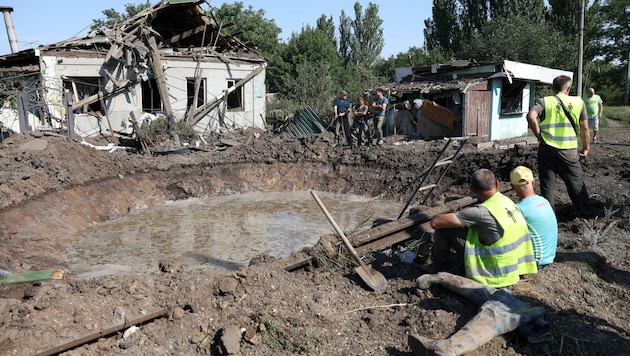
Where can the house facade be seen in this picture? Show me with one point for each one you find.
(171, 60)
(466, 98)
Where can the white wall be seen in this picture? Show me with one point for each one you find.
(176, 72)
(503, 126)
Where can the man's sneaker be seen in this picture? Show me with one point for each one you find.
(594, 139)
(380, 142)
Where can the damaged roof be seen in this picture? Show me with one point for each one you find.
(429, 86)
(180, 26)
(462, 74)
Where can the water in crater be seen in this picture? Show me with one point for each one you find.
(219, 234)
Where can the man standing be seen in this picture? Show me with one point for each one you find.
(491, 239)
(341, 108)
(594, 109)
(379, 106)
(557, 121)
(541, 221)
(360, 111)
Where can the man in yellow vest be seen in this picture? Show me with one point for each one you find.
(557, 121)
(491, 240)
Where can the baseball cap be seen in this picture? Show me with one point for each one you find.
(521, 175)
(343, 92)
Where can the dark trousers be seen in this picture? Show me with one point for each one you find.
(565, 164)
(362, 129)
(445, 241)
(344, 125)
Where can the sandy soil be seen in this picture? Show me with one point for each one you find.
(51, 187)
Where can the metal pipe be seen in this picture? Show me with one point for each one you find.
(8, 22)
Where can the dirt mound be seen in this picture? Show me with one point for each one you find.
(264, 309)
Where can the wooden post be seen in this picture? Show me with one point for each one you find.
(109, 124)
(69, 114)
(141, 138)
(161, 83)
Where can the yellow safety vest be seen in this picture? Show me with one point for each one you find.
(502, 263)
(556, 129)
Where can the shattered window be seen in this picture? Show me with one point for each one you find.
(512, 97)
(195, 85)
(151, 101)
(235, 98)
(83, 88)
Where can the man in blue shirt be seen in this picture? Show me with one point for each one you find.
(341, 109)
(540, 217)
(378, 111)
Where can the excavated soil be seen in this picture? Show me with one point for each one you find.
(51, 187)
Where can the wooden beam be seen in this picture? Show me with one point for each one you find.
(161, 83)
(103, 333)
(204, 109)
(93, 98)
(394, 232)
(33, 276)
(186, 34)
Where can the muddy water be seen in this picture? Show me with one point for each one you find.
(219, 234)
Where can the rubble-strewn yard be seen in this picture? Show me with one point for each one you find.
(51, 187)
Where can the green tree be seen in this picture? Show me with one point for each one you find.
(367, 42)
(345, 37)
(613, 42)
(113, 17)
(313, 85)
(312, 63)
(327, 26)
(564, 15)
(517, 38)
(259, 32)
(443, 30)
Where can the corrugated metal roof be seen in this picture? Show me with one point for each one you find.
(430, 86)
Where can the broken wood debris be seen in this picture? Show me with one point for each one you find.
(33, 276)
(396, 231)
(104, 333)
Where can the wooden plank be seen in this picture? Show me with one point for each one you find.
(32, 276)
(186, 34)
(163, 90)
(103, 333)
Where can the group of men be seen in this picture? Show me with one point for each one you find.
(497, 241)
(353, 119)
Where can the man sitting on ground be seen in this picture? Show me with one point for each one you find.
(541, 220)
(491, 239)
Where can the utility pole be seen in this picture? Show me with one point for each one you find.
(580, 52)
(8, 22)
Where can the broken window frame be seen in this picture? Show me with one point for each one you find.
(151, 100)
(512, 97)
(234, 99)
(190, 93)
(84, 87)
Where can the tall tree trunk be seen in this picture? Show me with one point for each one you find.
(626, 97)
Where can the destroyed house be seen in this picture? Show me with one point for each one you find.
(171, 60)
(466, 98)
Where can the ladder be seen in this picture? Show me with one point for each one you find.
(440, 166)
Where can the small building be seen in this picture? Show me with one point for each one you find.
(171, 60)
(465, 98)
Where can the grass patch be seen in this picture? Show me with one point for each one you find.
(284, 334)
(617, 113)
